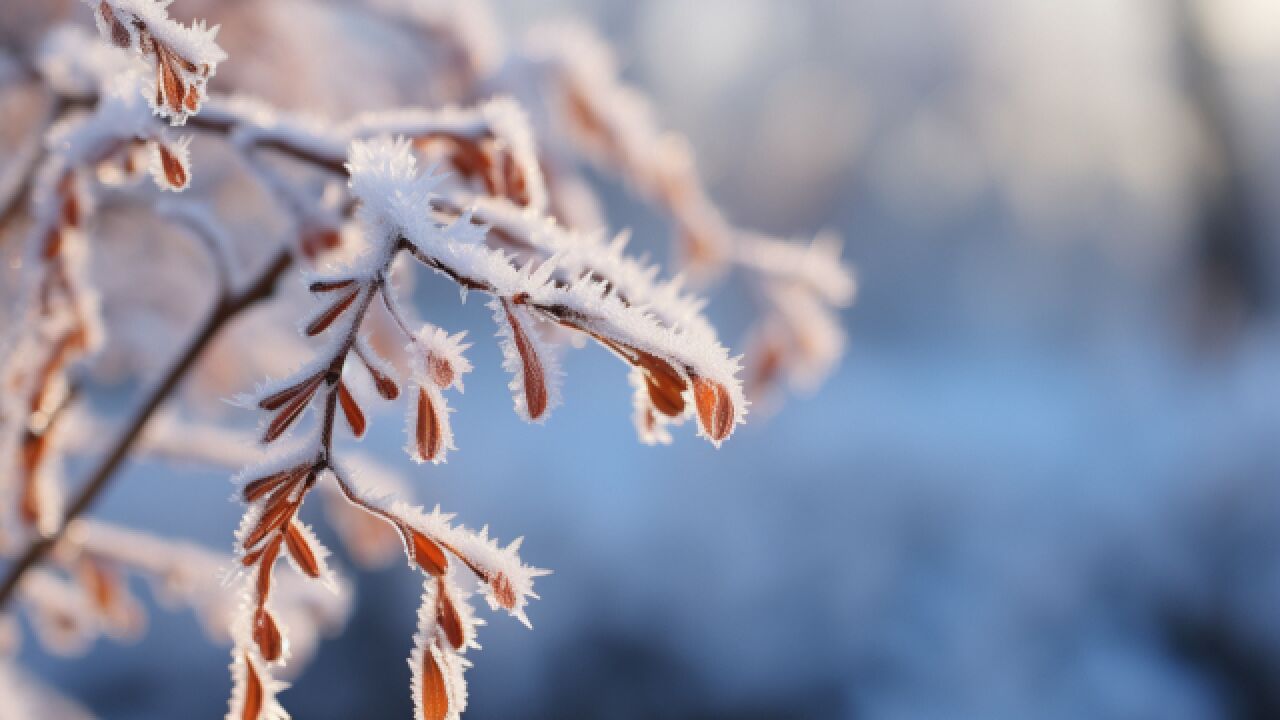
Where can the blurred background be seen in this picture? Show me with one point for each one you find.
(1044, 481)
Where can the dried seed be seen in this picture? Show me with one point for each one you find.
(351, 410)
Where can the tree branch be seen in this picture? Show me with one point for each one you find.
(227, 308)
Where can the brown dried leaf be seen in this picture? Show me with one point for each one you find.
(264, 571)
(664, 383)
(442, 372)
(186, 64)
(535, 381)
(335, 310)
(434, 701)
(266, 635)
(277, 400)
(503, 592)
(351, 410)
(285, 418)
(251, 558)
(429, 436)
(715, 409)
(174, 171)
(272, 519)
(663, 396)
(301, 551)
(174, 89)
(257, 489)
(447, 617)
(428, 554)
(385, 385)
(254, 693)
(146, 45)
(119, 33)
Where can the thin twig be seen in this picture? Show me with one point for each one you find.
(227, 308)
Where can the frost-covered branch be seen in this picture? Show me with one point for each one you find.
(260, 288)
(493, 220)
(585, 111)
(90, 595)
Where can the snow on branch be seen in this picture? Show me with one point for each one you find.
(614, 127)
(686, 367)
(58, 315)
(182, 58)
(276, 488)
(489, 213)
(687, 373)
(490, 146)
(88, 593)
